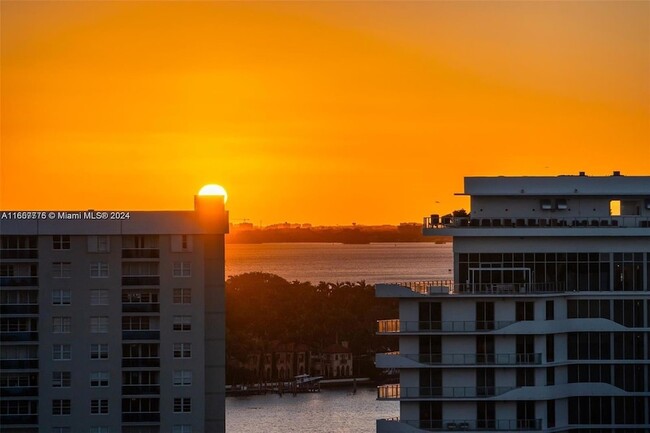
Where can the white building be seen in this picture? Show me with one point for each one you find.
(546, 326)
(113, 322)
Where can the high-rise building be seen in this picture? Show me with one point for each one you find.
(113, 322)
(546, 325)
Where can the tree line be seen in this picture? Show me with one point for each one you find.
(263, 309)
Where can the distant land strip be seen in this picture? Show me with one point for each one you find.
(287, 232)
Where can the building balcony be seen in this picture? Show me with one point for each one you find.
(141, 335)
(19, 281)
(140, 307)
(398, 360)
(140, 416)
(19, 336)
(19, 364)
(448, 287)
(140, 389)
(18, 309)
(142, 280)
(140, 253)
(19, 391)
(393, 326)
(8, 254)
(140, 362)
(398, 392)
(534, 226)
(397, 425)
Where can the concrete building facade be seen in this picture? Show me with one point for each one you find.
(113, 321)
(546, 325)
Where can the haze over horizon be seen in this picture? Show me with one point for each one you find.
(326, 113)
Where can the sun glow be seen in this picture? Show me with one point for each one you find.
(213, 189)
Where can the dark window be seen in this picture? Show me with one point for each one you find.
(550, 348)
(430, 414)
(484, 381)
(431, 382)
(484, 349)
(525, 377)
(485, 315)
(525, 311)
(430, 315)
(485, 415)
(550, 376)
(550, 413)
(430, 348)
(550, 311)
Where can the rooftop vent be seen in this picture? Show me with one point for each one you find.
(616, 173)
(582, 173)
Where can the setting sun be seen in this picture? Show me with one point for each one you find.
(213, 189)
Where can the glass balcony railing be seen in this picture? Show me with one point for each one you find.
(447, 221)
(19, 281)
(448, 287)
(398, 392)
(470, 424)
(474, 358)
(140, 253)
(396, 326)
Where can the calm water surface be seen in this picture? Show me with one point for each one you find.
(317, 262)
(330, 410)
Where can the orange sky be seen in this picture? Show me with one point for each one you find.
(314, 112)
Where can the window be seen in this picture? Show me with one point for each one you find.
(99, 379)
(550, 348)
(182, 405)
(550, 376)
(182, 296)
(182, 269)
(99, 297)
(182, 350)
(61, 325)
(61, 352)
(100, 429)
(99, 351)
(61, 379)
(550, 413)
(61, 430)
(98, 244)
(61, 296)
(182, 323)
(182, 377)
(61, 269)
(98, 407)
(61, 242)
(182, 428)
(525, 311)
(99, 324)
(61, 407)
(550, 310)
(181, 243)
(99, 270)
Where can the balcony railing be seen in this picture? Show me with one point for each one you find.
(140, 416)
(472, 424)
(19, 336)
(140, 362)
(18, 309)
(143, 280)
(140, 253)
(6, 420)
(448, 287)
(398, 392)
(19, 391)
(396, 326)
(140, 389)
(474, 358)
(435, 222)
(18, 364)
(18, 254)
(141, 335)
(19, 281)
(140, 307)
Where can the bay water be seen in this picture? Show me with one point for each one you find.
(331, 410)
